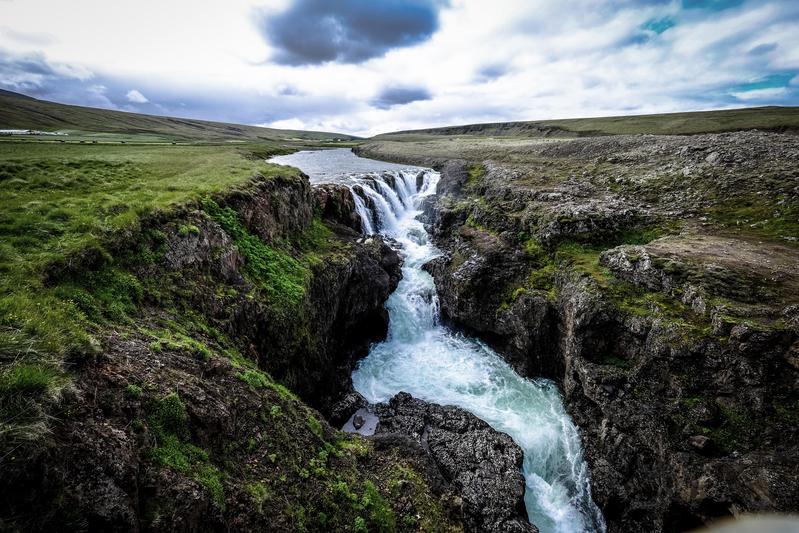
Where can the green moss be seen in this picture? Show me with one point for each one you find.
(381, 516)
(168, 423)
(110, 293)
(427, 513)
(184, 230)
(613, 360)
(254, 378)
(736, 430)
(282, 277)
(259, 494)
(474, 173)
(133, 391)
(172, 338)
(315, 426)
(583, 258)
(691, 402)
(211, 478)
(168, 416)
(543, 279)
(759, 215)
(787, 411)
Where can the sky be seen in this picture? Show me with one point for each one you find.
(369, 66)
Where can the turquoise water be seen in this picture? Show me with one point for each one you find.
(425, 358)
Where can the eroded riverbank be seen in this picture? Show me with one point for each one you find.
(423, 357)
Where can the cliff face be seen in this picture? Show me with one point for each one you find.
(183, 419)
(674, 341)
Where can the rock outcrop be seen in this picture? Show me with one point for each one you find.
(633, 272)
(482, 465)
(184, 422)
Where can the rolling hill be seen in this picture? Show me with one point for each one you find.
(18, 111)
(763, 118)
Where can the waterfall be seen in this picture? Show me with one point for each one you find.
(363, 213)
(425, 358)
(404, 191)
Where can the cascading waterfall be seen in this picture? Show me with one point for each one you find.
(426, 359)
(363, 213)
(431, 362)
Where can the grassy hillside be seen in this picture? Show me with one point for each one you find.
(68, 198)
(762, 118)
(22, 112)
(59, 200)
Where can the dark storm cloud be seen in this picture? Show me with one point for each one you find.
(347, 31)
(33, 75)
(394, 96)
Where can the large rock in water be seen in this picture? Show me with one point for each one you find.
(483, 464)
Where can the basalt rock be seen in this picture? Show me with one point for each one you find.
(482, 465)
(335, 202)
(183, 421)
(677, 358)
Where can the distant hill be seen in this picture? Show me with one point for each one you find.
(18, 111)
(763, 118)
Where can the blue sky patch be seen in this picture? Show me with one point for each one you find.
(659, 25)
(712, 5)
(772, 81)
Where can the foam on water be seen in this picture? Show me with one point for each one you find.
(423, 357)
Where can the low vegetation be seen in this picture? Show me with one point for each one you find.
(66, 207)
(762, 118)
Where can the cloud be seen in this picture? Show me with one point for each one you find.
(287, 124)
(346, 31)
(479, 62)
(492, 71)
(32, 38)
(764, 48)
(33, 74)
(761, 94)
(394, 96)
(136, 97)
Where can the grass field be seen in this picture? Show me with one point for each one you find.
(764, 118)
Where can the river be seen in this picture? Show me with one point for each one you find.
(425, 358)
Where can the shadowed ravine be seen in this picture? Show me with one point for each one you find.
(425, 358)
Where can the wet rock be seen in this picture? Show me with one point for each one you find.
(344, 409)
(335, 203)
(482, 464)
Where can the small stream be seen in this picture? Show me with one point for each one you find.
(423, 357)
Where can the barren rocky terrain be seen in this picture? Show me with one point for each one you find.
(654, 278)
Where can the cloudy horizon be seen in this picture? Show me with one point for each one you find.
(361, 67)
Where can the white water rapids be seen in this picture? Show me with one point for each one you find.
(423, 357)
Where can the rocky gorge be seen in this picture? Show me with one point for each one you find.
(202, 403)
(652, 277)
